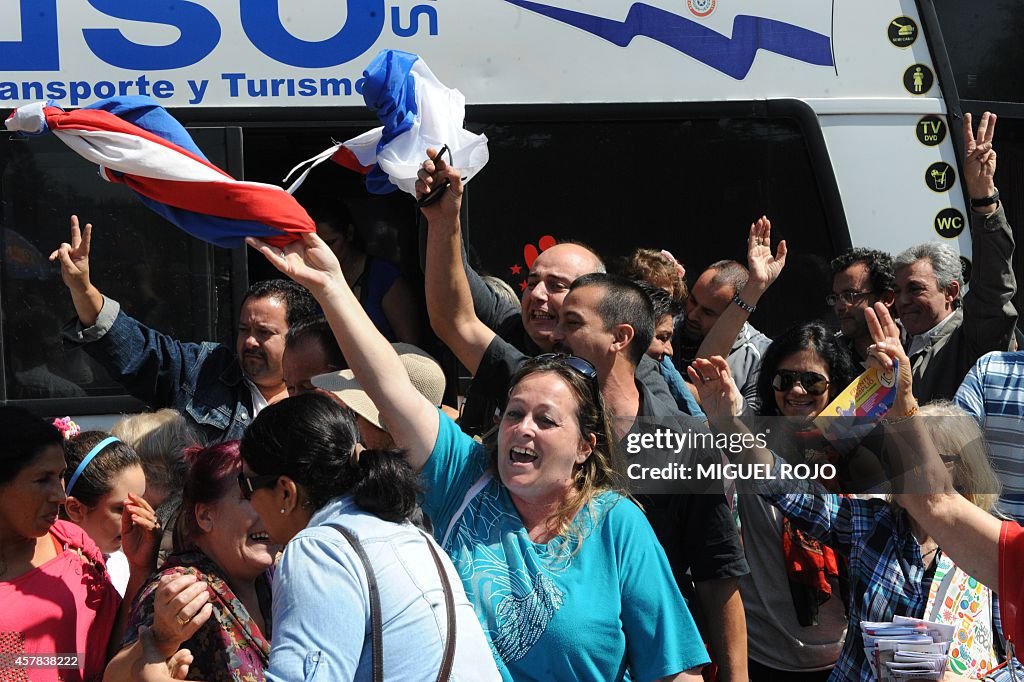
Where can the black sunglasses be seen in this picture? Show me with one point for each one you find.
(249, 484)
(812, 382)
(574, 362)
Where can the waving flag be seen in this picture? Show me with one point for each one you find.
(138, 144)
(417, 111)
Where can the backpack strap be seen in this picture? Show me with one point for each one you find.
(448, 659)
(376, 620)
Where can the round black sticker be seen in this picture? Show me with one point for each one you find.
(931, 130)
(949, 223)
(940, 177)
(918, 79)
(902, 31)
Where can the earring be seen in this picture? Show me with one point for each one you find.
(282, 510)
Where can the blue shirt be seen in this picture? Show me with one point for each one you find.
(322, 611)
(993, 391)
(551, 613)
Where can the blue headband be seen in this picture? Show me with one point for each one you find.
(88, 458)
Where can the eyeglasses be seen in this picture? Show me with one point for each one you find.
(571, 361)
(812, 382)
(250, 484)
(847, 297)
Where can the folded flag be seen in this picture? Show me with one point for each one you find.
(417, 111)
(138, 144)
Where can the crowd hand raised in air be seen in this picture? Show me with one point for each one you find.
(432, 175)
(719, 396)
(307, 260)
(887, 347)
(73, 257)
(764, 266)
(980, 159)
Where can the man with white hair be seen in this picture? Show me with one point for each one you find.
(947, 330)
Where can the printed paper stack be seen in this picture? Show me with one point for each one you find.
(907, 649)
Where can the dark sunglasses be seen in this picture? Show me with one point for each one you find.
(812, 382)
(573, 362)
(250, 484)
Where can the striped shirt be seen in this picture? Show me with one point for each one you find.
(993, 391)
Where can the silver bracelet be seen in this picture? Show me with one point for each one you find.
(743, 304)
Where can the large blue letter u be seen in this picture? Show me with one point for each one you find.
(261, 21)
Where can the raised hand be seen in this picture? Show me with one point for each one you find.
(980, 156)
(886, 347)
(432, 175)
(308, 261)
(74, 257)
(140, 533)
(180, 607)
(718, 394)
(764, 266)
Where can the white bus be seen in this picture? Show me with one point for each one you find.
(670, 124)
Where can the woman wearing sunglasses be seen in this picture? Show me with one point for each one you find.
(895, 567)
(564, 573)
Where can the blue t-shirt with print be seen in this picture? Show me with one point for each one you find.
(551, 613)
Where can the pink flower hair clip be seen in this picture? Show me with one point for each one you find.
(67, 428)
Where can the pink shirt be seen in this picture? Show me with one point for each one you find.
(65, 606)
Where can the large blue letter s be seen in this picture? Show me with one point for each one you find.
(261, 21)
(200, 33)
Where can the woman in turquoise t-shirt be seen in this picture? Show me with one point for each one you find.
(565, 574)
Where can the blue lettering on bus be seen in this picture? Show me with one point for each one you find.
(262, 23)
(200, 33)
(37, 49)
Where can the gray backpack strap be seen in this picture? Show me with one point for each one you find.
(376, 619)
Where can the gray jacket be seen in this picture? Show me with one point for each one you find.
(983, 323)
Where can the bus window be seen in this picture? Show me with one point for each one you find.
(166, 279)
(692, 186)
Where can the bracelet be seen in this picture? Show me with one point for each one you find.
(743, 304)
(986, 201)
(896, 420)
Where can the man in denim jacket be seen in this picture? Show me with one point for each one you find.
(219, 388)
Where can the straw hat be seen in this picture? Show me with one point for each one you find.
(426, 375)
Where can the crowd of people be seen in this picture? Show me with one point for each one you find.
(303, 505)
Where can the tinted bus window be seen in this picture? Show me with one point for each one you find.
(985, 47)
(690, 186)
(160, 275)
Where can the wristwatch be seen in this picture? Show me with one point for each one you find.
(986, 201)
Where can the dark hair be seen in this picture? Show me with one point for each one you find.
(805, 336)
(26, 435)
(212, 473)
(879, 263)
(317, 329)
(297, 299)
(337, 216)
(729, 273)
(661, 300)
(623, 302)
(97, 479)
(310, 439)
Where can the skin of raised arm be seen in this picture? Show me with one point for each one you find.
(764, 270)
(719, 397)
(73, 257)
(449, 300)
(968, 534)
(723, 608)
(410, 418)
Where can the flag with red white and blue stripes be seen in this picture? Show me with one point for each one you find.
(137, 143)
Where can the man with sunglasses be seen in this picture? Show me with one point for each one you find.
(860, 278)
